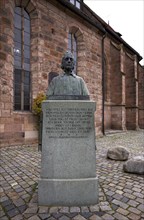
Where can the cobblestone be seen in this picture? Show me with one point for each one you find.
(120, 216)
(134, 216)
(119, 203)
(94, 208)
(132, 203)
(121, 194)
(53, 209)
(122, 211)
(141, 207)
(95, 217)
(134, 210)
(79, 217)
(84, 209)
(108, 217)
(64, 209)
(74, 209)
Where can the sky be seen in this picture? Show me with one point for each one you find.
(125, 17)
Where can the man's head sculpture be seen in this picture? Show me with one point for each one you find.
(68, 62)
(67, 86)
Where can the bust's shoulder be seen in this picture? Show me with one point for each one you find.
(79, 78)
(56, 78)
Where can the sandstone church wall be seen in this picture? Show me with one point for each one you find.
(51, 22)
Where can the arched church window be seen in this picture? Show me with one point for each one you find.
(21, 60)
(72, 47)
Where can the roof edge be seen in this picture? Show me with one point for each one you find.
(81, 14)
(115, 34)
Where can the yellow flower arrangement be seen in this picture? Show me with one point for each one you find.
(37, 104)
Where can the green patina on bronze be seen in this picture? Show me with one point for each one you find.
(67, 84)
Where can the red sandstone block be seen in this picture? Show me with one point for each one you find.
(6, 113)
(1, 128)
(8, 128)
(13, 127)
(8, 106)
(5, 98)
(30, 7)
(2, 56)
(19, 120)
(1, 105)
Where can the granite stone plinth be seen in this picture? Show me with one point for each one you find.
(71, 192)
(68, 168)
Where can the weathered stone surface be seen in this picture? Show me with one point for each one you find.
(117, 153)
(68, 170)
(135, 165)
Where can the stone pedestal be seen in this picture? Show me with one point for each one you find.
(68, 168)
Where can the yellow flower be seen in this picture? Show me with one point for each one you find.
(37, 102)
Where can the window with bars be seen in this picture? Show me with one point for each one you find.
(77, 3)
(72, 47)
(21, 60)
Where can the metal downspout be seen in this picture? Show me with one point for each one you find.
(103, 84)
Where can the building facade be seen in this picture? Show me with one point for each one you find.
(33, 38)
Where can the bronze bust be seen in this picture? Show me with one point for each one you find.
(67, 85)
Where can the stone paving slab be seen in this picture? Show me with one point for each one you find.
(121, 195)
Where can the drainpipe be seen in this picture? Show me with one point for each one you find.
(103, 84)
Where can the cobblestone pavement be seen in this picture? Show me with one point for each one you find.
(120, 194)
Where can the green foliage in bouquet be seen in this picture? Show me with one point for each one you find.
(37, 104)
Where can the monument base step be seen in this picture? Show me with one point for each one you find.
(68, 192)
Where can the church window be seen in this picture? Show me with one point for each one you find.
(72, 47)
(77, 3)
(21, 60)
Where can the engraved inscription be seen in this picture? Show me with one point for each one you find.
(69, 122)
